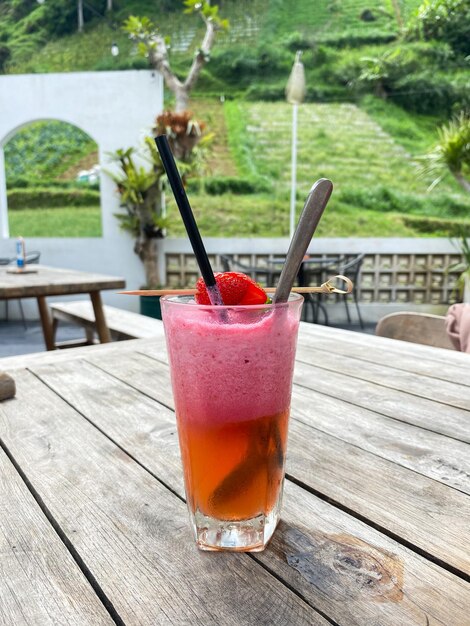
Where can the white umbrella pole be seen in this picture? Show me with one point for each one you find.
(293, 170)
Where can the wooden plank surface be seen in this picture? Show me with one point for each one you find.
(129, 529)
(432, 388)
(52, 281)
(412, 357)
(351, 572)
(399, 405)
(431, 454)
(355, 478)
(40, 583)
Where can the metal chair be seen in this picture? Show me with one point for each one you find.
(423, 328)
(352, 269)
(31, 258)
(318, 270)
(230, 265)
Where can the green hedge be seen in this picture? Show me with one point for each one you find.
(51, 198)
(435, 226)
(386, 200)
(23, 182)
(219, 185)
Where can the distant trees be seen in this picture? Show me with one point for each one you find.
(154, 46)
(444, 20)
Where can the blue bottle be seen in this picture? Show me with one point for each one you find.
(20, 254)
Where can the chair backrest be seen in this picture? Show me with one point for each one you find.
(32, 257)
(226, 263)
(352, 267)
(422, 328)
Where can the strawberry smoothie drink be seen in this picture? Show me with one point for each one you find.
(231, 370)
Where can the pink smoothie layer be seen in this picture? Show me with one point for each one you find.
(227, 372)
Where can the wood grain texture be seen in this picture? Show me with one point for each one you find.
(22, 361)
(423, 328)
(40, 583)
(129, 529)
(430, 454)
(353, 573)
(427, 453)
(357, 479)
(389, 377)
(416, 358)
(419, 510)
(399, 405)
(51, 281)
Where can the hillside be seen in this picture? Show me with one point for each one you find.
(353, 51)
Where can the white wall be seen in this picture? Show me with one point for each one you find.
(114, 109)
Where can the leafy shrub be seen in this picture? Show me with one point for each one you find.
(240, 66)
(107, 64)
(50, 198)
(434, 226)
(387, 200)
(357, 38)
(5, 54)
(218, 185)
(269, 93)
(406, 73)
(44, 149)
(429, 93)
(445, 20)
(24, 182)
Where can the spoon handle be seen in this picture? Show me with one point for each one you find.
(313, 209)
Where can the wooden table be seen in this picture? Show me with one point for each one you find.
(42, 281)
(376, 519)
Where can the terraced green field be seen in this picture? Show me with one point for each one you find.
(337, 141)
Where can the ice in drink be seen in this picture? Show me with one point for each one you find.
(231, 371)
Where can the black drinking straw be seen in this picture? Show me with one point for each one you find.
(194, 235)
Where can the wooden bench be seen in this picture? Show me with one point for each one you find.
(122, 324)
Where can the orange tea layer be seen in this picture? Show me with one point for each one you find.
(234, 470)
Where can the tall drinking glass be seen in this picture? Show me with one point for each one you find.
(231, 371)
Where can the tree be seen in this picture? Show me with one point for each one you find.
(452, 153)
(444, 20)
(141, 199)
(154, 46)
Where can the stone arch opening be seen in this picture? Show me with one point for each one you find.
(52, 180)
(114, 109)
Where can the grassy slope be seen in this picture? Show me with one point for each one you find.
(335, 140)
(57, 222)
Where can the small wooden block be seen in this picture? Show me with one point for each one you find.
(7, 386)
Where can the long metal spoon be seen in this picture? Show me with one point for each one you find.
(313, 209)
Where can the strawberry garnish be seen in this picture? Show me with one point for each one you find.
(234, 287)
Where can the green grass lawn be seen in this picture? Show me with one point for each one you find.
(57, 222)
(230, 215)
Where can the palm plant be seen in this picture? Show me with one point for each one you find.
(462, 284)
(140, 189)
(452, 153)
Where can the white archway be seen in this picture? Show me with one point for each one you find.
(113, 108)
